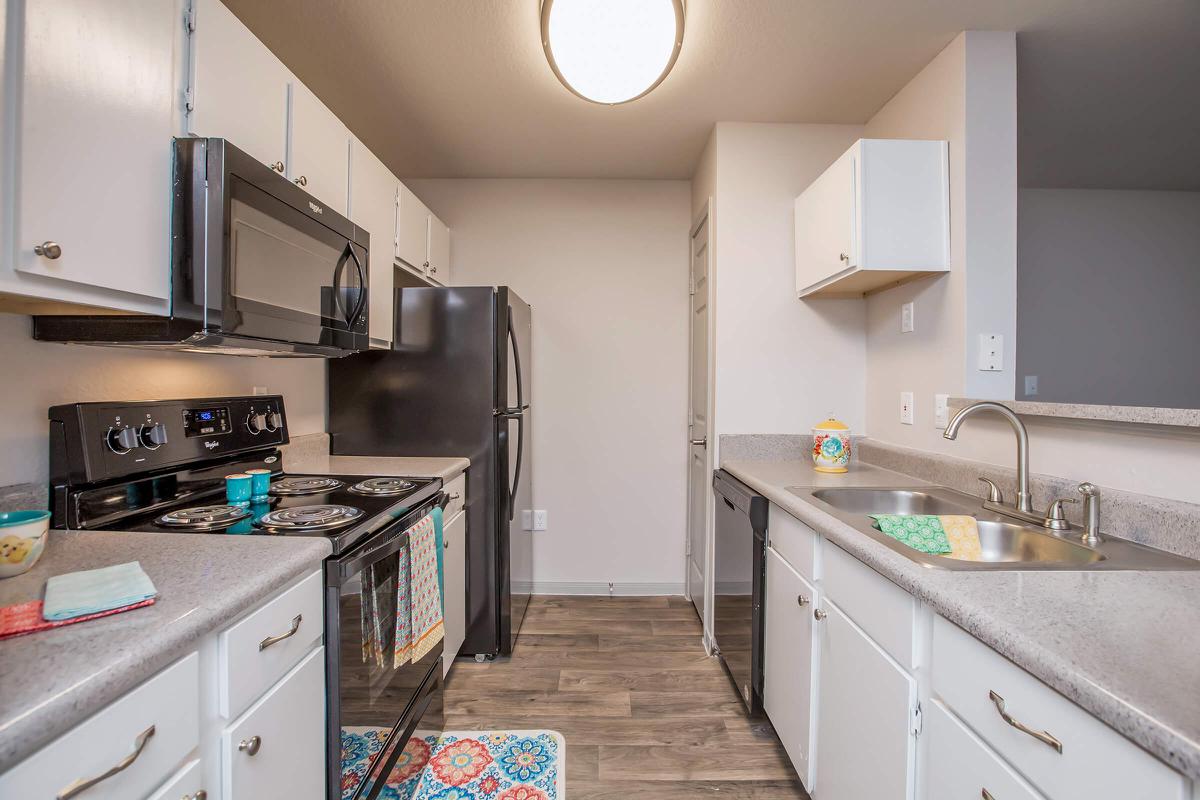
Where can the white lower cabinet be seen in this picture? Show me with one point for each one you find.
(454, 565)
(789, 663)
(866, 746)
(277, 748)
(961, 766)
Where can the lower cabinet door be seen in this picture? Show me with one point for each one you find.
(277, 748)
(962, 766)
(865, 746)
(187, 784)
(789, 663)
(454, 564)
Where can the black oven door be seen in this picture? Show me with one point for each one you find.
(384, 708)
(267, 259)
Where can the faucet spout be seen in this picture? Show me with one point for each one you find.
(1024, 500)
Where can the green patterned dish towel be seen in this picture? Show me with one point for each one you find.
(921, 532)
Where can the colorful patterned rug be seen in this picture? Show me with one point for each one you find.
(457, 765)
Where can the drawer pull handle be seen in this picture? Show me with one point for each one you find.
(250, 746)
(986, 795)
(200, 794)
(270, 640)
(1041, 736)
(82, 785)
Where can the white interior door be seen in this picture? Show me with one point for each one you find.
(699, 416)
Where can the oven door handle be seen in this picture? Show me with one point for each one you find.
(393, 543)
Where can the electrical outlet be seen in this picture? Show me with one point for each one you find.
(540, 519)
(1030, 385)
(941, 411)
(991, 352)
(906, 408)
(906, 318)
(259, 390)
(526, 520)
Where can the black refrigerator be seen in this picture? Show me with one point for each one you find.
(456, 383)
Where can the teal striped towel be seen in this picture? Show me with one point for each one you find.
(92, 591)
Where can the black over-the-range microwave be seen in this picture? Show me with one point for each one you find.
(258, 267)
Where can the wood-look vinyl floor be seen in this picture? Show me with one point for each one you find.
(646, 714)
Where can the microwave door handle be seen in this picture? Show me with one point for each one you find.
(362, 286)
(337, 281)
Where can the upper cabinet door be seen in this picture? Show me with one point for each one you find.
(373, 191)
(96, 119)
(825, 214)
(239, 89)
(439, 251)
(319, 149)
(412, 231)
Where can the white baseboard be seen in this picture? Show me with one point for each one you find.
(599, 588)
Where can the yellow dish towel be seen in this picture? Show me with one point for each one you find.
(963, 534)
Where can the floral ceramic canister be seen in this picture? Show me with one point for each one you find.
(831, 446)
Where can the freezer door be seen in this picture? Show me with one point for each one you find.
(515, 482)
(515, 321)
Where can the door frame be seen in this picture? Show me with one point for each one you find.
(705, 215)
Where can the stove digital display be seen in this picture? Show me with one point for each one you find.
(206, 421)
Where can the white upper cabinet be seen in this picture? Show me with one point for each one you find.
(99, 105)
(238, 89)
(319, 149)
(880, 215)
(439, 251)
(412, 231)
(373, 193)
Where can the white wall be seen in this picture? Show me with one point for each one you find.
(604, 265)
(38, 375)
(948, 100)
(782, 364)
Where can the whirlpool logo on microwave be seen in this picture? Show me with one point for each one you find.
(316, 208)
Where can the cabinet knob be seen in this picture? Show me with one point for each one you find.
(844, 257)
(250, 746)
(301, 181)
(801, 600)
(819, 614)
(277, 166)
(200, 794)
(445, 544)
(433, 269)
(50, 250)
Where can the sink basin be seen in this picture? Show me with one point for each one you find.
(1005, 544)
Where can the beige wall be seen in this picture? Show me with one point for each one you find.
(604, 265)
(950, 99)
(38, 375)
(782, 364)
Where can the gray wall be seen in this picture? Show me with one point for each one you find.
(1108, 297)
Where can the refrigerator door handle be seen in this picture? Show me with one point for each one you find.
(512, 335)
(519, 416)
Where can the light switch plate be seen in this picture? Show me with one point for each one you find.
(540, 519)
(991, 352)
(906, 318)
(906, 408)
(527, 520)
(1031, 385)
(941, 411)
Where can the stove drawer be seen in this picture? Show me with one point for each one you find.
(258, 650)
(457, 492)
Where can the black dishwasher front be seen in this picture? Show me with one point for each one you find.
(739, 578)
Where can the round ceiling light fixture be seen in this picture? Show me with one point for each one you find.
(612, 51)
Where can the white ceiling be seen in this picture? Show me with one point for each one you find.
(461, 88)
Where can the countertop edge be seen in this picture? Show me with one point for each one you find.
(41, 725)
(1069, 679)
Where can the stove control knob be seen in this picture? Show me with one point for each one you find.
(274, 421)
(152, 435)
(121, 440)
(256, 423)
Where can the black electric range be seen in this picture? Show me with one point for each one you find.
(160, 467)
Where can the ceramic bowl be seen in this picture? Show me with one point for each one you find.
(23, 537)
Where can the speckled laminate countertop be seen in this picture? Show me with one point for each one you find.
(444, 468)
(55, 679)
(1123, 645)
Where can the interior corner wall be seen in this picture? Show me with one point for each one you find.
(782, 364)
(965, 87)
(604, 264)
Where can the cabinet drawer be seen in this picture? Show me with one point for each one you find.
(1095, 761)
(277, 748)
(187, 784)
(168, 704)
(252, 656)
(962, 766)
(794, 541)
(881, 608)
(457, 491)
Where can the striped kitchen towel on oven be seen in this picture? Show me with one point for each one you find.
(425, 588)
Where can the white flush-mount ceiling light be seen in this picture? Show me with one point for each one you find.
(612, 51)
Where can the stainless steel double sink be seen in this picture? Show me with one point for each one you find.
(1006, 544)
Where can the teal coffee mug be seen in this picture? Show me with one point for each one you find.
(260, 483)
(237, 489)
